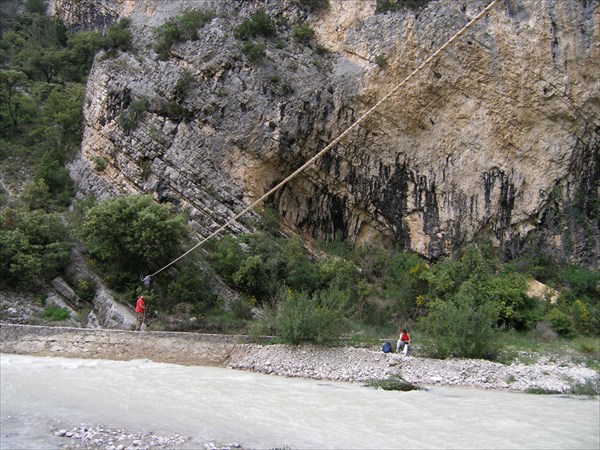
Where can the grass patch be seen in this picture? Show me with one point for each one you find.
(589, 388)
(541, 391)
(55, 313)
(392, 383)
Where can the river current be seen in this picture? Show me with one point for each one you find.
(262, 411)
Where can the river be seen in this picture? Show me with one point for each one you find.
(262, 411)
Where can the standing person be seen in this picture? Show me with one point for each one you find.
(140, 309)
(403, 341)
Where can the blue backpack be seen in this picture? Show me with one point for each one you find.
(387, 348)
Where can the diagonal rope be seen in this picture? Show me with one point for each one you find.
(453, 39)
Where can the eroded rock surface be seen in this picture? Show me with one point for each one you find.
(497, 139)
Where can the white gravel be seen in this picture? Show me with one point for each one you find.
(557, 374)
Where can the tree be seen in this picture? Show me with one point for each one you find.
(33, 246)
(12, 83)
(129, 236)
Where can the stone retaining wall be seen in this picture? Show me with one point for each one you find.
(158, 346)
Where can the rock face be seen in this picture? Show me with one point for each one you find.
(498, 139)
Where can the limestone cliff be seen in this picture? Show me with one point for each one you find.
(499, 139)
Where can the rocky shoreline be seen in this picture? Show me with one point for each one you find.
(549, 373)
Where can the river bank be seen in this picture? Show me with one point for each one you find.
(547, 373)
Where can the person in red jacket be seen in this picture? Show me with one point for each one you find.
(403, 341)
(140, 309)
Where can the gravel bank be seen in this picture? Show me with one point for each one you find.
(556, 374)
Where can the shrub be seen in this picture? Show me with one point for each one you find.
(259, 24)
(226, 257)
(33, 245)
(321, 50)
(560, 322)
(313, 5)
(178, 29)
(304, 319)
(383, 6)
(118, 36)
(242, 307)
(129, 236)
(55, 313)
(190, 287)
(128, 119)
(85, 288)
(303, 34)
(253, 276)
(254, 52)
(99, 163)
(381, 61)
(462, 328)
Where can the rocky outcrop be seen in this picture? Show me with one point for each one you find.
(110, 313)
(498, 139)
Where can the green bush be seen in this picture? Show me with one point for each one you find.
(560, 322)
(226, 257)
(303, 34)
(259, 24)
(462, 328)
(254, 52)
(190, 286)
(313, 5)
(381, 61)
(33, 246)
(55, 313)
(129, 118)
(118, 36)
(85, 288)
(242, 307)
(301, 318)
(392, 383)
(383, 6)
(129, 236)
(179, 29)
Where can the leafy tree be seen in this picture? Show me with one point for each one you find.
(34, 246)
(403, 281)
(82, 46)
(226, 257)
(37, 195)
(129, 236)
(253, 276)
(190, 287)
(301, 274)
(12, 84)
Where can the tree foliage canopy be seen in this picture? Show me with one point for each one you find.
(130, 236)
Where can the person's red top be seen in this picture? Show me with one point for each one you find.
(140, 305)
(405, 337)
